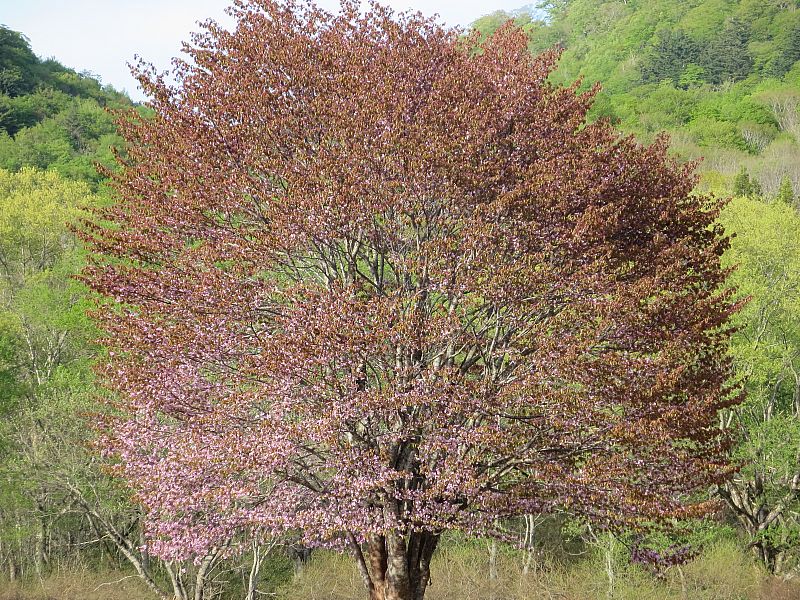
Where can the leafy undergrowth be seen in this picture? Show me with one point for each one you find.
(81, 585)
(722, 572)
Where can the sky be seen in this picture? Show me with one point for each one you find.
(101, 36)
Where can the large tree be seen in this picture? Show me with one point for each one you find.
(370, 280)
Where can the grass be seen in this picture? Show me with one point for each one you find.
(80, 585)
(722, 572)
(460, 572)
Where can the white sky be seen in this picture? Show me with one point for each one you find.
(101, 36)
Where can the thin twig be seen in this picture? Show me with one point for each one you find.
(113, 582)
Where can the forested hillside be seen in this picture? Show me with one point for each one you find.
(52, 117)
(54, 130)
(721, 77)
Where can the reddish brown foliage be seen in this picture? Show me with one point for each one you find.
(376, 283)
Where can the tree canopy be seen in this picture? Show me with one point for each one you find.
(372, 281)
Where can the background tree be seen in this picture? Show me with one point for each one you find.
(45, 337)
(648, 58)
(765, 494)
(57, 505)
(54, 117)
(672, 54)
(16, 62)
(785, 105)
(786, 192)
(789, 51)
(744, 186)
(367, 283)
(727, 58)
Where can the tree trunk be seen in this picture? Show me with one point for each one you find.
(684, 590)
(176, 579)
(40, 553)
(493, 569)
(377, 567)
(747, 501)
(104, 529)
(204, 568)
(13, 568)
(300, 555)
(145, 552)
(14, 565)
(493, 560)
(255, 569)
(528, 543)
(396, 566)
(610, 568)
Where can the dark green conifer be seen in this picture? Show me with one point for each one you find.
(742, 185)
(668, 59)
(789, 55)
(786, 191)
(727, 57)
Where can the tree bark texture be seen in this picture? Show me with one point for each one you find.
(396, 566)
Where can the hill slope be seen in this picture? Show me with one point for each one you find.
(721, 76)
(51, 116)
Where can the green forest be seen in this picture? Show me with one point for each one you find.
(719, 78)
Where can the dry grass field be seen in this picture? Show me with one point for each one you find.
(722, 572)
(81, 585)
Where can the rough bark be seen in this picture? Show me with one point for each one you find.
(397, 566)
